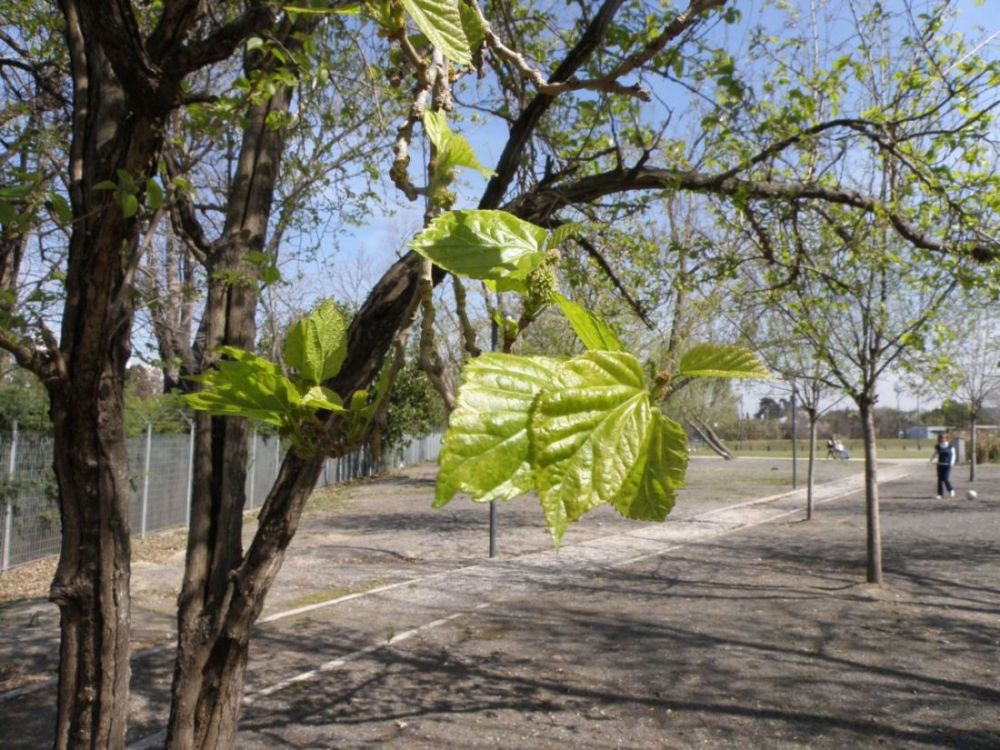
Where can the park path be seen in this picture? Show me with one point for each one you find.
(292, 643)
(535, 648)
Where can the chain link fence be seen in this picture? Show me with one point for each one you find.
(159, 472)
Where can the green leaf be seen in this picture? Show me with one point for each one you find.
(106, 185)
(562, 233)
(8, 214)
(16, 192)
(319, 397)
(154, 194)
(270, 275)
(472, 24)
(658, 474)
(249, 358)
(595, 333)
(130, 205)
(442, 24)
(591, 438)
(506, 285)
(317, 344)
(61, 208)
(453, 149)
(482, 244)
(248, 386)
(721, 361)
(486, 450)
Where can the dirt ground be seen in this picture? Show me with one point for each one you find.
(735, 624)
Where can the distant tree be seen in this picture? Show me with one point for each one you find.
(415, 408)
(973, 369)
(770, 408)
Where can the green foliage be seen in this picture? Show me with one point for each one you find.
(317, 344)
(248, 386)
(23, 399)
(487, 451)
(955, 413)
(593, 332)
(441, 22)
(720, 361)
(598, 438)
(453, 151)
(414, 408)
(483, 244)
(581, 432)
(164, 411)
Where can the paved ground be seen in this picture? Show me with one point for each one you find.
(735, 624)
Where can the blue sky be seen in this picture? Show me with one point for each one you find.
(371, 248)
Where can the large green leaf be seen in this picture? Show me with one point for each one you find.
(486, 449)
(595, 333)
(441, 23)
(591, 441)
(482, 244)
(721, 361)
(317, 344)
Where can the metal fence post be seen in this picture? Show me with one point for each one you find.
(145, 479)
(8, 506)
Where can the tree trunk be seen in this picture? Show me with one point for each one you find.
(972, 446)
(85, 382)
(811, 481)
(874, 535)
(215, 614)
(91, 585)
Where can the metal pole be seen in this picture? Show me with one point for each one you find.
(494, 340)
(190, 483)
(145, 479)
(795, 437)
(8, 508)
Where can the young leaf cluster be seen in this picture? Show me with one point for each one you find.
(249, 386)
(580, 432)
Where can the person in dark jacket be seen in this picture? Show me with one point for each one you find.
(944, 457)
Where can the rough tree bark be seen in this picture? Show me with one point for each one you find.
(124, 86)
(91, 584)
(211, 651)
(813, 413)
(873, 534)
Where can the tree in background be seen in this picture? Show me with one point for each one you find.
(971, 374)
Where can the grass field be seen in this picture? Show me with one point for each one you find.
(887, 448)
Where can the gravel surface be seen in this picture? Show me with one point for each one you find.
(735, 624)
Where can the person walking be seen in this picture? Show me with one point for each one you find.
(944, 456)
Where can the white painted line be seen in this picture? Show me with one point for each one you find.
(155, 740)
(342, 660)
(727, 532)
